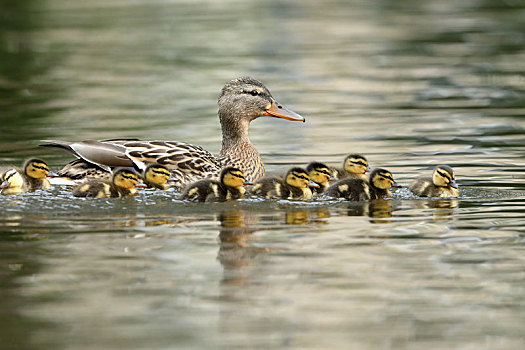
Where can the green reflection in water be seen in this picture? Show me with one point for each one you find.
(23, 91)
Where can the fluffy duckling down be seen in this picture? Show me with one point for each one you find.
(157, 176)
(355, 166)
(295, 185)
(123, 183)
(378, 186)
(33, 176)
(442, 184)
(230, 186)
(321, 174)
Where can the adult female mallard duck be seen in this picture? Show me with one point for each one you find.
(32, 176)
(157, 176)
(320, 174)
(123, 183)
(442, 184)
(295, 185)
(241, 101)
(230, 186)
(378, 186)
(355, 166)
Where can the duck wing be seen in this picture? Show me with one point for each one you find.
(105, 155)
(187, 162)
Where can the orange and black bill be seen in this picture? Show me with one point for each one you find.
(279, 111)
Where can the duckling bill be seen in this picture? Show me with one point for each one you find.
(230, 186)
(442, 184)
(378, 186)
(295, 185)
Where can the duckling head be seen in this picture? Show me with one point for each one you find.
(298, 177)
(245, 99)
(382, 179)
(319, 173)
(443, 176)
(125, 178)
(36, 168)
(12, 181)
(157, 175)
(356, 164)
(233, 177)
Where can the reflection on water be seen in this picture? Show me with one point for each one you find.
(408, 84)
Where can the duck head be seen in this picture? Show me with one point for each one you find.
(319, 173)
(233, 177)
(245, 99)
(125, 178)
(382, 179)
(156, 175)
(443, 176)
(11, 182)
(298, 177)
(356, 164)
(36, 168)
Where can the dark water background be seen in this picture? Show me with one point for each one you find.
(410, 84)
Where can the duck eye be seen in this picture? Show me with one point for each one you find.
(254, 93)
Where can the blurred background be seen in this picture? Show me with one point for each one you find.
(410, 84)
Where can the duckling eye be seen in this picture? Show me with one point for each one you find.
(384, 177)
(160, 172)
(40, 167)
(443, 175)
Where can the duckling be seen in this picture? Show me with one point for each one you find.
(230, 186)
(442, 184)
(157, 176)
(378, 186)
(320, 174)
(12, 182)
(123, 183)
(32, 177)
(295, 185)
(354, 167)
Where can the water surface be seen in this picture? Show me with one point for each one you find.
(409, 85)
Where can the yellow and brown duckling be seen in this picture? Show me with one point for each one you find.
(230, 186)
(32, 177)
(295, 185)
(320, 174)
(442, 184)
(157, 176)
(378, 186)
(123, 183)
(355, 166)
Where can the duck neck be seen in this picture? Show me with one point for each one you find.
(234, 134)
(237, 149)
